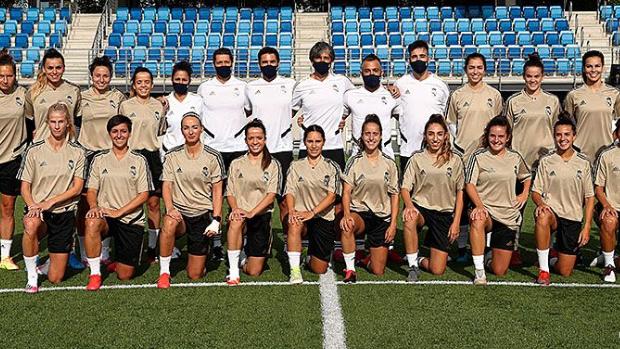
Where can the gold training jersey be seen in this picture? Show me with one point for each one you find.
(36, 108)
(607, 174)
(97, 109)
(248, 183)
(12, 124)
(149, 122)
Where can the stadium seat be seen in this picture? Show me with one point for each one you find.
(161, 26)
(188, 27)
(444, 67)
(175, 26)
(529, 12)
(533, 25)
(503, 66)
(491, 25)
(544, 51)
(567, 37)
(27, 27)
(17, 54)
(432, 12)
(561, 25)
(438, 39)
(505, 25)
(542, 12)
(469, 49)
(527, 50)
(480, 38)
(552, 38)
(157, 40)
(16, 14)
(538, 38)
(49, 14)
(147, 27)
(176, 13)
(163, 13)
(149, 14)
(488, 11)
(115, 39)
(466, 39)
(5, 40)
(44, 27)
(440, 52)
(517, 66)
(39, 40)
(455, 52)
(56, 40)
(514, 51)
(449, 25)
(519, 25)
(172, 40)
(27, 69)
(191, 14)
(135, 13)
(457, 67)
(558, 51)
(447, 12)
(144, 39)
(132, 26)
(547, 24)
(524, 38)
(550, 67)
(501, 12)
(477, 25)
(33, 54)
(556, 12)
(21, 40)
(564, 66)
(463, 25)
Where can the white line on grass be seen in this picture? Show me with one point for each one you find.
(334, 334)
(490, 283)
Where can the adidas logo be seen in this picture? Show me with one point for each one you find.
(300, 179)
(552, 174)
(43, 163)
(179, 170)
(105, 171)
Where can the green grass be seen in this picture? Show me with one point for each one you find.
(287, 317)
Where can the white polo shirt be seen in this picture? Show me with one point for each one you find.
(272, 102)
(223, 111)
(419, 100)
(176, 110)
(321, 103)
(360, 102)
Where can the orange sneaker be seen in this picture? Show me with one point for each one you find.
(163, 281)
(94, 283)
(543, 278)
(233, 282)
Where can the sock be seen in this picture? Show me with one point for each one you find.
(95, 265)
(5, 248)
(463, 237)
(105, 248)
(233, 262)
(543, 259)
(153, 234)
(217, 242)
(164, 265)
(412, 259)
(349, 260)
(609, 258)
(31, 269)
(478, 262)
(82, 248)
(293, 259)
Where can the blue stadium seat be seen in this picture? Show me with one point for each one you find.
(432, 12)
(157, 40)
(186, 40)
(135, 13)
(188, 27)
(170, 53)
(542, 12)
(161, 26)
(115, 40)
(538, 38)
(462, 25)
(340, 53)
(495, 38)
(172, 40)
(144, 39)
(198, 55)
(434, 25)
(2, 14)
(32, 15)
(455, 52)
(514, 12)
(447, 12)
(477, 25)
(44, 27)
(353, 40)
(488, 11)
(523, 38)
(16, 14)
(466, 39)
(501, 12)
(39, 40)
(606, 11)
(147, 27)
(424, 36)
(578, 66)
(517, 66)
(480, 38)
(513, 51)
(286, 54)
(286, 13)
(379, 26)
(485, 50)
(544, 51)
(457, 67)
(121, 69)
(505, 25)
(26, 69)
(17, 54)
(529, 12)
(567, 37)
(393, 26)
(490, 67)
(552, 38)
(438, 39)
(149, 14)
(419, 12)
(200, 40)
(163, 13)
(55, 40)
(460, 12)
(444, 67)
(547, 24)
(469, 49)
(491, 25)
(550, 67)
(191, 14)
(408, 38)
(49, 14)
(111, 52)
(499, 51)
(380, 39)
(533, 25)
(394, 40)
(5, 40)
(558, 51)
(139, 54)
(440, 52)
(363, 13)
(527, 50)
(503, 66)
(257, 40)
(573, 51)
(271, 27)
(176, 13)
(561, 25)
(337, 27)
(519, 25)
(129, 40)
(174, 26)
(286, 27)
(183, 53)
(556, 12)
(366, 40)
(132, 26)
(421, 25)
(399, 68)
(449, 25)
(270, 40)
(155, 54)
(397, 52)
(474, 11)
(27, 27)
(286, 40)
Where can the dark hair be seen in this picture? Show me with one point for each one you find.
(315, 51)
(446, 149)
(7, 59)
(474, 56)
(257, 123)
(135, 73)
(500, 121)
(617, 125)
(182, 66)
(268, 51)
(590, 54)
(313, 128)
(41, 82)
(565, 120)
(371, 58)
(533, 60)
(118, 120)
(52, 53)
(223, 51)
(103, 61)
(371, 119)
(417, 44)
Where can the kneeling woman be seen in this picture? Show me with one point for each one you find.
(253, 182)
(118, 185)
(312, 184)
(52, 175)
(563, 183)
(192, 191)
(369, 201)
(490, 181)
(432, 190)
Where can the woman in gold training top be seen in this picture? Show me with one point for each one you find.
(490, 181)
(52, 175)
(312, 184)
(149, 122)
(253, 182)
(12, 144)
(369, 201)
(432, 190)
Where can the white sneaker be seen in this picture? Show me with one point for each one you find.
(481, 278)
(296, 277)
(609, 274)
(176, 253)
(44, 268)
(598, 261)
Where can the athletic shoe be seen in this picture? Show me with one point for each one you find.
(516, 260)
(394, 257)
(350, 277)
(543, 278)
(218, 254)
(163, 281)
(31, 289)
(232, 282)
(481, 278)
(44, 268)
(598, 261)
(94, 283)
(414, 274)
(151, 256)
(75, 263)
(338, 257)
(609, 274)
(176, 253)
(463, 257)
(296, 277)
(8, 264)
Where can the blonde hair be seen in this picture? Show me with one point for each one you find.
(41, 82)
(61, 107)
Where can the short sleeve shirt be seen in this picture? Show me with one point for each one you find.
(174, 116)
(12, 124)
(248, 183)
(36, 108)
(148, 120)
(97, 109)
(607, 174)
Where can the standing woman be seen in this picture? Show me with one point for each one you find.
(52, 175)
(562, 185)
(311, 187)
(369, 201)
(12, 144)
(254, 180)
(432, 190)
(48, 89)
(192, 190)
(594, 107)
(490, 181)
(149, 122)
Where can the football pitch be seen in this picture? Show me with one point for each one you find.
(267, 312)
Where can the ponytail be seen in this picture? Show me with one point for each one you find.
(445, 153)
(256, 123)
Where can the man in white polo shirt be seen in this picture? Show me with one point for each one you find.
(421, 95)
(372, 98)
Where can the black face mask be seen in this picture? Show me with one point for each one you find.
(371, 81)
(419, 67)
(321, 68)
(180, 89)
(223, 72)
(269, 71)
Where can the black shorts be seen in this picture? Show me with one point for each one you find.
(153, 159)
(127, 241)
(258, 236)
(567, 237)
(467, 206)
(9, 184)
(336, 155)
(284, 158)
(60, 229)
(321, 236)
(502, 237)
(375, 228)
(438, 224)
(228, 157)
(198, 244)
